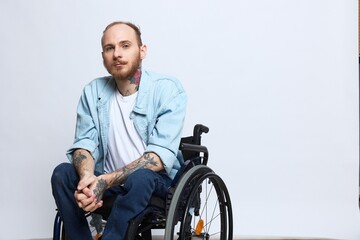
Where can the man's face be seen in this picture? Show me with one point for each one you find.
(121, 53)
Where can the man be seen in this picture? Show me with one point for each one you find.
(126, 143)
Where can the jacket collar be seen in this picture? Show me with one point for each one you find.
(141, 104)
(107, 91)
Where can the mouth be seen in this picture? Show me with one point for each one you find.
(119, 64)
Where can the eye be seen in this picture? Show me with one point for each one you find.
(109, 49)
(126, 45)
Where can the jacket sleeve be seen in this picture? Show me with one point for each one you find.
(86, 132)
(164, 139)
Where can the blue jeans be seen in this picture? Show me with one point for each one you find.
(130, 200)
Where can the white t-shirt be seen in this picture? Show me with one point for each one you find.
(125, 144)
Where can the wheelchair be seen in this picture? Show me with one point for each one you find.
(197, 205)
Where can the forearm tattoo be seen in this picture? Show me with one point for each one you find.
(100, 189)
(123, 173)
(78, 160)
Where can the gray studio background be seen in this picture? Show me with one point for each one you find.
(276, 82)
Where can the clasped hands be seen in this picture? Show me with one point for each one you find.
(89, 192)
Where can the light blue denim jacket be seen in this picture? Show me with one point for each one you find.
(158, 116)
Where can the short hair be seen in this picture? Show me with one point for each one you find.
(132, 25)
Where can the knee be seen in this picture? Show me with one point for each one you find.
(142, 174)
(61, 172)
(141, 177)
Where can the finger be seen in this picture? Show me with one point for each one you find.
(88, 192)
(79, 199)
(82, 200)
(90, 207)
(88, 200)
(79, 196)
(83, 184)
(97, 205)
(80, 205)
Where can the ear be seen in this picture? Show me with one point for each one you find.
(143, 51)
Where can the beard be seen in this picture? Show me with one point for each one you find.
(125, 73)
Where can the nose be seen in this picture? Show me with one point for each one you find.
(117, 52)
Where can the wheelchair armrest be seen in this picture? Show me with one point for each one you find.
(196, 148)
(190, 162)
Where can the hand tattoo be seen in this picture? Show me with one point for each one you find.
(100, 189)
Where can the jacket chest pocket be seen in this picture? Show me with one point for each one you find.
(141, 124)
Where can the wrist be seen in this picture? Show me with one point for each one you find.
(108, 179)
(86, 173)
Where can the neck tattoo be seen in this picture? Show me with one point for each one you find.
(135, 79)
(134, 84)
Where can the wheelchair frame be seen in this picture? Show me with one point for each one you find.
(182, 211)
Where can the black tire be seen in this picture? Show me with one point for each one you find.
(200, 194)
(63, 234)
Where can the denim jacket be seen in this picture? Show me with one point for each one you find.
(158, 116)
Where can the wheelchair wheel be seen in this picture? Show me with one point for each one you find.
(59, 232)
(200, 207)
